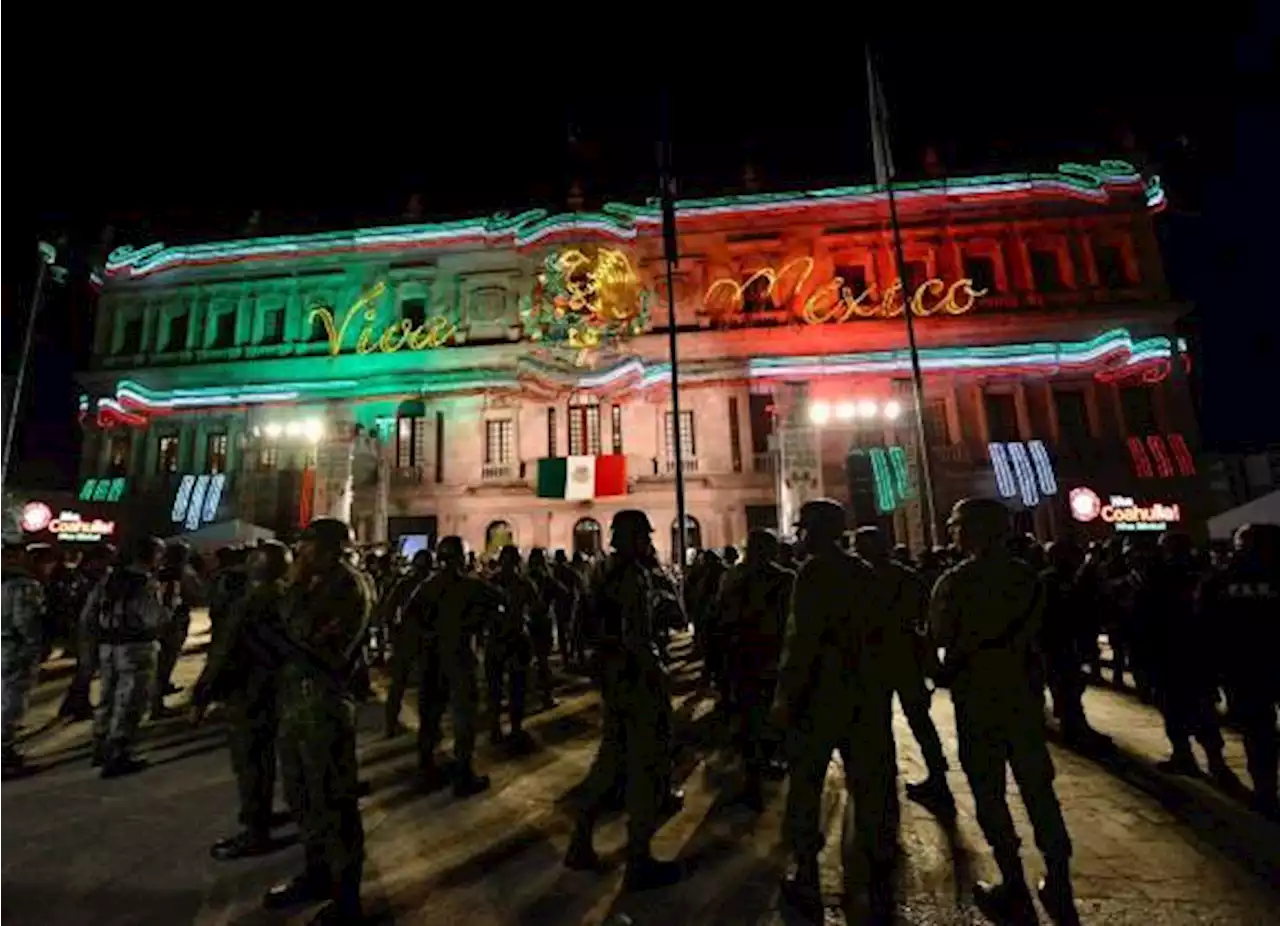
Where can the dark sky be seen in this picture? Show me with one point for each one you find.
(183, 139)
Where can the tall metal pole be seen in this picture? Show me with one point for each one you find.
(48, 254)
(884, 176)
(672, 254)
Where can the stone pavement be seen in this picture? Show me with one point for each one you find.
(79, 850)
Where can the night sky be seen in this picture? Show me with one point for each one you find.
(183, 140)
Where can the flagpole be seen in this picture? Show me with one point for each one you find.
(48, 254)
(884, 175)
(672, 254)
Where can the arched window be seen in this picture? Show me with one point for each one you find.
(496, 536)
(692, 535)
(586, 536)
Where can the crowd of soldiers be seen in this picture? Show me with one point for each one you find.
(803, 646)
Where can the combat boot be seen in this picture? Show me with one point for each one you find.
(803, 890)
(468, 783)
(118, 762)
(582, 854)
(1057, 896)
(1007, 902)
(245, 844)
(645, 873)
(305, 888)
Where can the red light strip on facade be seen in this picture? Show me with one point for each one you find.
(1164, 466)
(1141, 464)
(1186, 463)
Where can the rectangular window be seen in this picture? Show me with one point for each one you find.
(760, 411)
(411, 441)
(176, 338)
(439, 446)
(118, 454)
(937, 430)
(224, 329)
(688, 447)
(268, 459)
(215, 453)
(1073, 417)
(273, 325)
(551, 432)
(853, 277)
(131, 336)
(499, 442)
(1046, 271)
(584, 430)
(615, 427)
(414, 311)
(1113, 272)
(982, 270)
(735, 434)
(1002, 416)
(167, 455)
(1139, 411)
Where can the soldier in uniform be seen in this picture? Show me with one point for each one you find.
(986, 613)
(326, 615)
(566, 599)
(541, 623)
(404, 629)
(908, 645)
(451, 608)
(637, 702)
(241, 672)
(508, 650)
(757, 596)
(25, 571)
(126, 617)
(92, 569)
(182, 591)
(835, 693)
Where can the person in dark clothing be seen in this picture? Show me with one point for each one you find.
(1243, 601)
(1185, 676)
(182, 590)
(405, 633)
(566, 589)
(907, 647)
(756, 599)
(986, 614)
(93, 567)
(1064, 645)
(547, 591)
(241, 672)
(508, 650)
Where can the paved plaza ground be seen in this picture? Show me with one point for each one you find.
(76, 850)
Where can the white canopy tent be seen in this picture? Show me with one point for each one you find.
(224, 534)
(1265, 509)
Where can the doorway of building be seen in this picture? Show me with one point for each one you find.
(586, 537)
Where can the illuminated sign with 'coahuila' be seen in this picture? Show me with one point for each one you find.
(1123, 512)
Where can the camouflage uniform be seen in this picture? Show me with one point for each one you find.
(126, 617)
(508, 651)
(405, 631)
(838, 696)
(987, 613)
(325, 620)
(241, 671)
(182, 592)
(635, 743)
(20, 639)
(456, 606)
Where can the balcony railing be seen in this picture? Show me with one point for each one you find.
(500, 472)
(764, 462)
(690, 465)
(408, 475)
(951, 454)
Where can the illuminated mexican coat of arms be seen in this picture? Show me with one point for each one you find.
(586, 300)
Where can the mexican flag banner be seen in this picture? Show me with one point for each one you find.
(582, 477)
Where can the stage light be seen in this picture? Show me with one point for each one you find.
(892, 409)
(867, 408)
(314, 429)
(846, 410)
(293, 429)
(819, 412)
(273, 431)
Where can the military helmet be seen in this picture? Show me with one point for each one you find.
(987, 517)
(631, 521)
(451, 550)
(328, 533)
(822, 519)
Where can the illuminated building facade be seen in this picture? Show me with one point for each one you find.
(508, 377)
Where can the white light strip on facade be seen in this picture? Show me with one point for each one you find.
(197, 502)
(1026, 477)
(214, 498)
(182, 499)
(1004, 475)
(1044, 467)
